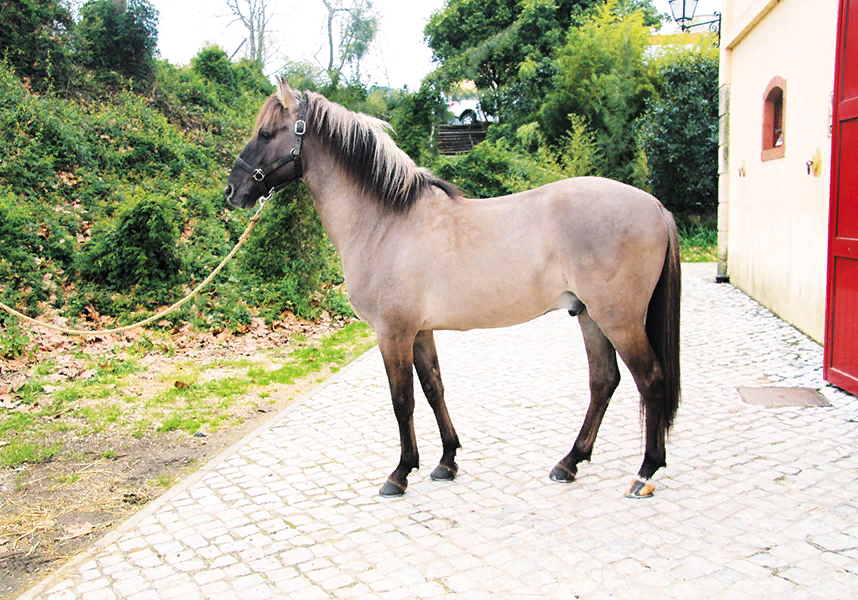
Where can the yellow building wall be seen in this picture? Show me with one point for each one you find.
(776, 215)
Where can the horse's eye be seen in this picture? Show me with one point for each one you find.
(265, 135)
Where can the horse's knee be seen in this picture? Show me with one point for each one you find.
(605, 386)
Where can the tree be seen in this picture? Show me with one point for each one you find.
(255, 16)
(119, 37)
(351, 29)
(679, 134)
(600, 74)
(487, 40)
(414, 120)
(35, 39)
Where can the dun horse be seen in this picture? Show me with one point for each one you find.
(417, 257)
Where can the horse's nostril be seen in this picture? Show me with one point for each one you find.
(228, 191)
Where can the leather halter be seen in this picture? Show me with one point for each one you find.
(261, 174)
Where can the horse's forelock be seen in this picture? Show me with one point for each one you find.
(271, 115)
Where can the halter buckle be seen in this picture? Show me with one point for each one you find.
(300, 127)
(258, 176)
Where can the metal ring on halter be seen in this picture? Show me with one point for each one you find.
(262, 202)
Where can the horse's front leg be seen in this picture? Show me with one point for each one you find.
(398, 356)
(429, 373)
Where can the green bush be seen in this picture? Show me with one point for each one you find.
(602, 76)
(35, 247)
(414, 121)
(36, 41)
(113, 205)
(288, 257)
(496, 168)
(138, 248)
(679, 135)
(212, 63)
(117, 40)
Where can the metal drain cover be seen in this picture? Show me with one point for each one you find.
(779, 397)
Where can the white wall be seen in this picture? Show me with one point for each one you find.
(777, 222)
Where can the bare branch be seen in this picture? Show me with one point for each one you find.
(255, 16)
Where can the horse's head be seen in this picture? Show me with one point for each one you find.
(272, 158)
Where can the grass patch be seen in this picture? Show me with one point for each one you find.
(98, 418)
(163, 481)
(20, 452)
(67, 479)
(175, 422)
(335, 350)
(17, 422)
(698, 243)
(192, 397)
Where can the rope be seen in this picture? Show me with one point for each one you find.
(253, 220)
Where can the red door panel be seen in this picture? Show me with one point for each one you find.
(841, 316)
(845, 311)
(849, 49)
(847, 182)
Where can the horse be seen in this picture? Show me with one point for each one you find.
(418, 257)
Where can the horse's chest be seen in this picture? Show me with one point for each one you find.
(363, 304)
(359, 314)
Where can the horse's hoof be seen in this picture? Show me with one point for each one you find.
(640, 488)
(391, 489)
(561, 474)
(444, 473)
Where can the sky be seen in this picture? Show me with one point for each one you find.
(401, 56)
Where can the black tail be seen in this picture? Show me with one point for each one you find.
(662, 324)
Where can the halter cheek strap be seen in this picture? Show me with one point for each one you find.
(261, 174)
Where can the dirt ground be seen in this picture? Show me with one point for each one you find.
(50, 512)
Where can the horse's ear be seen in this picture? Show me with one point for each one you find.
(287, 96)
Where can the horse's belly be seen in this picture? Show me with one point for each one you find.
(490, 313)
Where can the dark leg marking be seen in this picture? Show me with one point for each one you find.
(429, 373)
(398, 359)
(604, 379)
(639, 357)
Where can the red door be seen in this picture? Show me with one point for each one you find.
(841, 318)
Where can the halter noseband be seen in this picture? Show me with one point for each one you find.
(260, 174)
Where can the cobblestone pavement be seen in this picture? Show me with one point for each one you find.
(756, 502)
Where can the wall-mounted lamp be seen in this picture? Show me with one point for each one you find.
(683, 13)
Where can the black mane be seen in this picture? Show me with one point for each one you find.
(368, 153)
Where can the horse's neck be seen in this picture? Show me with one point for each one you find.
(347, 214)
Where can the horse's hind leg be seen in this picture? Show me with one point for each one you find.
(635, 350)
(604, 379)
(398, 359)
(429, 373)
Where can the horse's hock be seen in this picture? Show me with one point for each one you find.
(458, 139)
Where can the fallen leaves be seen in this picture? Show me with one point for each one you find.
(88, 374)
(17, 383)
